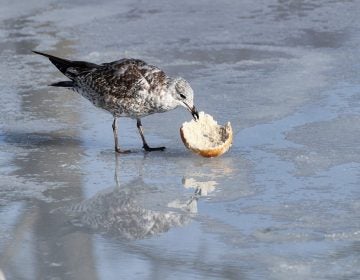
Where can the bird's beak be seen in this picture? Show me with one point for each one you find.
(194, 113)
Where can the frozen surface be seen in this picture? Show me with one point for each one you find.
(283, 203)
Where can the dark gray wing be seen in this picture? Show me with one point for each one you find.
(124, 78)
(70, 68)
(121, 79)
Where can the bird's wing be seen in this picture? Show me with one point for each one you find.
(121, 79)
(156, 78)
(70, 68)
(125, 78)
(145, 77)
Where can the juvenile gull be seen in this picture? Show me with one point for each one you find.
(126, 88)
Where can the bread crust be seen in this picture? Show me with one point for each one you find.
(210, 152)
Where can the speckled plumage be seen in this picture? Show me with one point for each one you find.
(125, 88)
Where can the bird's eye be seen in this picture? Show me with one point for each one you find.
(182, 96)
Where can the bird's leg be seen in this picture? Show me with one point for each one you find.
(115, 131)
(145, 145)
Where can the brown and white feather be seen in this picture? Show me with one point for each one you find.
(127, 87)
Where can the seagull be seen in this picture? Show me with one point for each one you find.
(126, 88)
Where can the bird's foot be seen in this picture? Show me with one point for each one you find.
(119, 151)
(149, 149)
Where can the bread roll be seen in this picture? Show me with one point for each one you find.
(205, 137)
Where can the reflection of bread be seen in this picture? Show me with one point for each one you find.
(205, 137)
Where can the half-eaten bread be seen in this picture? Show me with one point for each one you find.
(205, 137)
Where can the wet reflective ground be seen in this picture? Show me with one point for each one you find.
(284, 203)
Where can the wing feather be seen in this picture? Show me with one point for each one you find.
(125, 79)
(120, 79)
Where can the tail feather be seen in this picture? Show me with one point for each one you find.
(67, 84)
(64, 64)
(60, 63)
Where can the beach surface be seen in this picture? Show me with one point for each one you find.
(283, 203)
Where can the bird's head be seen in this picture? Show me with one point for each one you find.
(184, 96)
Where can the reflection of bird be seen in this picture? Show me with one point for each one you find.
(118, 213)
(126, 88)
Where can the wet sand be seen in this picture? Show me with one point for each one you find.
(283, 203)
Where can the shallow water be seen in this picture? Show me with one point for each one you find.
(283, 203)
